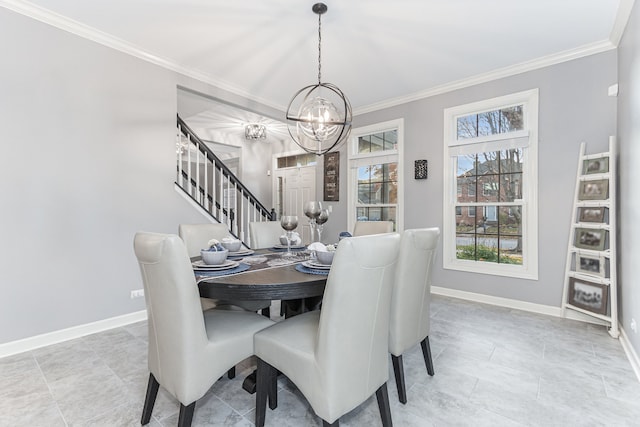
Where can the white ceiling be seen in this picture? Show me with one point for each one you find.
(378, 52)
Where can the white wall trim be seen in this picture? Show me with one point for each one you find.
(55, 337)
(499, 301)
(515, 304)
(535, 64)
(622, 17)
(541, 309)
(630, 352)
(74, 27)
(79, 29)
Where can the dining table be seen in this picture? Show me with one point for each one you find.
(269, 276)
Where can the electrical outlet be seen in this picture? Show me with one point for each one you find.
(634, 326)
(137, 293)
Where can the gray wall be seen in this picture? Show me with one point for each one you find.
(629, 191)
(88, 159)
(573, 107)
(88, 151)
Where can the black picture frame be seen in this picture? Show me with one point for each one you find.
(590, 296)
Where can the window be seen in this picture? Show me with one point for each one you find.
(491, 154)
(297, 160)
(374, 174)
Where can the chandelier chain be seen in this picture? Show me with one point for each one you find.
(319, 47)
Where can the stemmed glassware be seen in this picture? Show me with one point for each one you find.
(312, 210)
(289, 223)
(320, 220)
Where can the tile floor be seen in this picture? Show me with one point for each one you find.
(493, 367)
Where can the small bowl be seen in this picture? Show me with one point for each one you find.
(283, 241)
(214, 257)
(232, 246)
(325, 257)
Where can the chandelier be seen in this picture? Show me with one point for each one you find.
(255, 131)
(319, 115)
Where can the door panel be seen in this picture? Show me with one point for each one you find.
(299, 187)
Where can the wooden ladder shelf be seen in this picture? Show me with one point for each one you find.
(590, 283)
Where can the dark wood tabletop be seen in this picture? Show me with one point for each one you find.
(276, 283)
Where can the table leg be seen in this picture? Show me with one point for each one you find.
(249, 383)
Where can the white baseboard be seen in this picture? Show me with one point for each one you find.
(540, 309)
(630, 352)
(516, 304)
(31, 343)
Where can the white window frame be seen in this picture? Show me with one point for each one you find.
(528, 140)
(355, 160)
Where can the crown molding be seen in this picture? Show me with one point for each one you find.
(74, 27)
(81, 30)
(622, 17)
(523, 67)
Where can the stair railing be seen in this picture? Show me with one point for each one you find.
(211, 185)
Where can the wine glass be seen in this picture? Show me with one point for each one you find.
(312, 210)
(320, 220)
(289, 223)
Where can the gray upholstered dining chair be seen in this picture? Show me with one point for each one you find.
(265, 234)
(410, 321)
(338, 356)
(188, 349)
(196, 237)
(365, 228)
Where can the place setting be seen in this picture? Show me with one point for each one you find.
(321, 259)
(215, 260)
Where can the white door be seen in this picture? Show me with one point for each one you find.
(295, 187)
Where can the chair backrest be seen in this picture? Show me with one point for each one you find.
(365, 228)
(177, 333)
(353, 332)
(196, 236)
(409, 322)
(265, 234)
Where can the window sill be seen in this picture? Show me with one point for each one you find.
(494, 269)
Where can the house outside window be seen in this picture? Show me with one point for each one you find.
(491, 154)
(374, 174)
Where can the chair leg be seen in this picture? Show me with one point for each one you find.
(150, 400)
(265, 386)
(266, 312)
(383, 404)
(398, 370)
(231, 373)
(426, 353)
(186, 415)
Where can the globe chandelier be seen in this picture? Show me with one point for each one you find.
(319, 116)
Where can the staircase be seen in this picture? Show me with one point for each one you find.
(212, 186)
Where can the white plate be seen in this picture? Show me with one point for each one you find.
(292, 246)
(316, 265)
(244, 252)
(200, 265)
